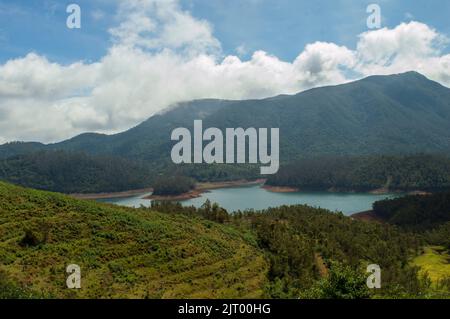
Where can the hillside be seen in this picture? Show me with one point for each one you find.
(368, 173)
(70, 172)
(428, 217)
(314, 253)
(170, 251)
(122, 252)
(405, 113)
(419, 213)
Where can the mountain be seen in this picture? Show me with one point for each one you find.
(20, 148)
(395, 114)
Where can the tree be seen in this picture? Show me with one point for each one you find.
(343, 282)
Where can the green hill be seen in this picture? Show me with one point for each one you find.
(367, 173)
(404, 113)
(379, 115)
(170, 251)
(131, 253)
(74, 172)
(419, 212)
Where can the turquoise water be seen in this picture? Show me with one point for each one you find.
(254, 197)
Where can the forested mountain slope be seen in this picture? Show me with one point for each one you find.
(404, 113)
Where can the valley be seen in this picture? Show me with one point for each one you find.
(254, 196)
(171, 251)
(141, 226)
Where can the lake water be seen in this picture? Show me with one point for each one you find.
(255, 197)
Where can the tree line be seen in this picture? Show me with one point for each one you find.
(314, 253)
(427, 215)
(75, 172)
(411, 172)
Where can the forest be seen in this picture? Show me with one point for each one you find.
(367, 173)
(75, 172)
(172, 185)
(169, 250)
(314, 253)
(78, 172)
(427, 215)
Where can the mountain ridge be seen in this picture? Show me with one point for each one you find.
(383, 114)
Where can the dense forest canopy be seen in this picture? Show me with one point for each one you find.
(396, 114)
(314, 253)
(406, 173)
(70, 172)
(379, 115)
(172, 185)
(419, 212)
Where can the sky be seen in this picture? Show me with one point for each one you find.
(132, 59)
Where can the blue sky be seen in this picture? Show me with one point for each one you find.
(279, 27)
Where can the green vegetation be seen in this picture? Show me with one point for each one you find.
(435, 261)
(342, 283)
(426, 217)
(405, 173)
(219, 172)
(313, 253)
(69, 172)
(171, 251)
(419, 213)
(11, 290)
(128, 253)
(296, 236)
(397, 114)
(208, 211)
(172, 185)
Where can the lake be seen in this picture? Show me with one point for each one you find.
(255, 197)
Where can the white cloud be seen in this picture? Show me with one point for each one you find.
(322, 63)
(162, 55)
(162, 24)
(409, 46)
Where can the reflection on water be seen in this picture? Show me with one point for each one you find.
(254, 197)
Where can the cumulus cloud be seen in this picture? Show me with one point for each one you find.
(162, 55)
(409, 45)
(157, 24)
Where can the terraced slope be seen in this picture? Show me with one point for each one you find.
(122, 252)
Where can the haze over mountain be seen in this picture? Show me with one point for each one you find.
(395, 114)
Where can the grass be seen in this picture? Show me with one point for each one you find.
(435, 261)
(122, 252)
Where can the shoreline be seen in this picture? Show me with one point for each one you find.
(230, 184)
(378, 191)
(202, 188)
(205, 187)
(175, 198)
(280, 189)
(367, 216)
(123, 194)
